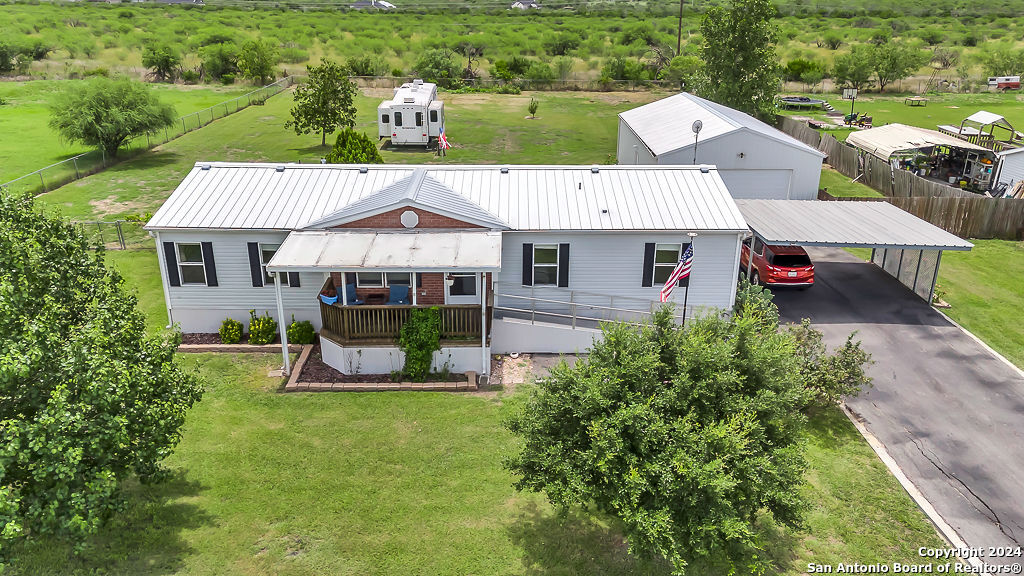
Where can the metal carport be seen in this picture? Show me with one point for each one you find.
(905, 246)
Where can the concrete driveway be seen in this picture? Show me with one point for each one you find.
(949, 412)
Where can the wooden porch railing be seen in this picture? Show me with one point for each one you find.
(384, 323)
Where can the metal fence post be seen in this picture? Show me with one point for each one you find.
(103, 156)
(41, 181)
(120, 233)
(75, 160)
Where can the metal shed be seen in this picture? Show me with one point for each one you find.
(907, 247)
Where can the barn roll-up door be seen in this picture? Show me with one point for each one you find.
(770, 184)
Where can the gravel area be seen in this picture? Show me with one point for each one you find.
(316, 370)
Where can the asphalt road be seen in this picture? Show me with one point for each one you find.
(949, 412)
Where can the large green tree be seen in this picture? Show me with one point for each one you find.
(353, 147)
(740, 67)
(892, 61)
(104, 112)
(325, 102)
(163, 62)
(87, 398)
(438, 66)
(685, 435)
(853, 69)
(256, 61)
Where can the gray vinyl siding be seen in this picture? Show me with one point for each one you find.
(630, 149)
(606, 269)
(203, 308)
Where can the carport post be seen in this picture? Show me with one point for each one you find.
(344, 290)
(485, 366)
(282, 326)
(935, 278)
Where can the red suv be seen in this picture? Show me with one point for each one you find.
(778, 265)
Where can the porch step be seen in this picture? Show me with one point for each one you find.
(828, 107)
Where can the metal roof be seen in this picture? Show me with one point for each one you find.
(416, 190)
(220, 195)
(665, 125)
(855, 224)
(985, 118)
(354, 251)
(884, 141)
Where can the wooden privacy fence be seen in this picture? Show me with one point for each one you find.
(957, 211)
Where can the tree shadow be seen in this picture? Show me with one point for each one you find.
(318, 150)
(577, 542)
(144, 539)
(829, 428)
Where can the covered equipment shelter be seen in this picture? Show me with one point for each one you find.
(907, 247)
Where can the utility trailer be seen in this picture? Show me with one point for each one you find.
(414, 116)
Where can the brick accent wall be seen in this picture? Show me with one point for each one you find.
(392, 219)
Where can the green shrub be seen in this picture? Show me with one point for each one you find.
(230, 331)
(227, 79)
(419, 339)
(189, 76)
(300, 332)
(261, 328)
(509, 89)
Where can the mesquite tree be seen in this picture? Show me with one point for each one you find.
(87, 398)
(683, 435)
(103, 112)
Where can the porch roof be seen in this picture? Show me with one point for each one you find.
(360, 251)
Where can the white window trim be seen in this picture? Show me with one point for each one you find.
(557, 264)
(656, 264)
(263, 267)
(384, 280)
(181, 262)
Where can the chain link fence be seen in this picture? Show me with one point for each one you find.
(115, 234)
(82, 165)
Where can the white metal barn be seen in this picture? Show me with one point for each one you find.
(414, 116)
(755, 160)
(1011, 167)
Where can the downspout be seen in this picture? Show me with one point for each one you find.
(282, 325)
(163, 279)
(736, 266)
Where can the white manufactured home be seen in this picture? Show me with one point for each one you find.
(517, 258)
(414, 116)
(755, 160)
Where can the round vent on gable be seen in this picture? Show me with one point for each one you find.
(410, 219)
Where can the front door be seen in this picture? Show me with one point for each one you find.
(461, 289)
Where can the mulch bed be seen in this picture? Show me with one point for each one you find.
(214, 338)
(316, 370)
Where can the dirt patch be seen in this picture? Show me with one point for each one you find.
(111, 205)
(316, 370)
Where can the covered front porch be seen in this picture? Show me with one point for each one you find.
(375, 280)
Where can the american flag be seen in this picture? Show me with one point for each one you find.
(682, 270)
(443, 141)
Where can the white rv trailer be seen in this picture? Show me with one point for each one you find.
(413, 116)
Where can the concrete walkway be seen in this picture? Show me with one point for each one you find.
(949, 412)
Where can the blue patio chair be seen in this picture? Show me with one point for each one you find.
(350, 295)
(328, 299)
(399, 295)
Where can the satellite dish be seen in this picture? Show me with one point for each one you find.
(697, 125)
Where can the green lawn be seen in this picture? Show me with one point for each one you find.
(840, 185)
(412, 483)
(571, 128)
(984, 287)
(941, 109)
(26, 114)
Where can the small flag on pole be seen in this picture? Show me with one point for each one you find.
(682, 270)
(443, 141)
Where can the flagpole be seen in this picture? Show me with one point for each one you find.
(686, 296)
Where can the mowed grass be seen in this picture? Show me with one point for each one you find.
(985, 290)
(941, 109)
(28, 143)
(571, 128)
(839, 185)
(413, 483)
